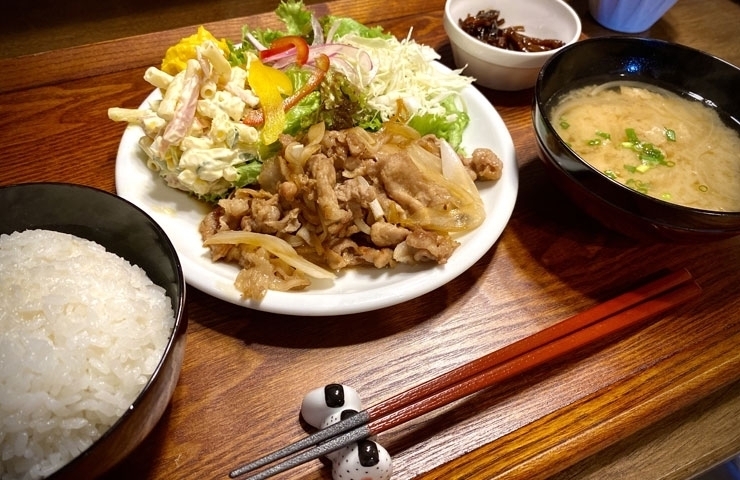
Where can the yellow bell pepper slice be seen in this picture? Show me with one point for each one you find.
(255, 118)
(270, 85)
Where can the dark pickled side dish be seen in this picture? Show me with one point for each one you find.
(487, 26)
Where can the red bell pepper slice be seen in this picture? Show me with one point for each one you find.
(283, 44)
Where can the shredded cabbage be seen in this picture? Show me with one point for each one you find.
(404, 70)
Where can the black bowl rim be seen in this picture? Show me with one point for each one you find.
(538, 103)
(179, 327)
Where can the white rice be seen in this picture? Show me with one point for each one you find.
(81, 331)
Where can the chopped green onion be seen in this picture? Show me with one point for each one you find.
(563, 124)
(648, 149)
(652, 156)
(632, 135)
(642, 168)
(647, 152)
(665, 196)
(604, 135)
(611, 174)
(638, 185)
(594, 142)
(703, 188)
(670, 135)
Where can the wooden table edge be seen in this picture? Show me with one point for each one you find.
(140, 51)
(564, 448)
(56, 66)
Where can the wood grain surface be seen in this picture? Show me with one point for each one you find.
(662, 401)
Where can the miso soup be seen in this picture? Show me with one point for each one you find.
(654, 141)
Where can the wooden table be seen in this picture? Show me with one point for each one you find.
(662, 402)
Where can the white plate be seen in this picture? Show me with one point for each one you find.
(355, 290)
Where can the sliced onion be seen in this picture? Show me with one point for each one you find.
(281, 60)
(343, 67)
(276, 246)
(360, 223)
(348, 54)
(308, 151)
(255, 43)
(468, 212)
(453, 168)
(352, 54)
(305, 235)
(318, 32)
(332, 31)
(294, 241)
(377, 209)
(374, 205)
(316, 133)
(293, 153)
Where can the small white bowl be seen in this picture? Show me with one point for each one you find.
(502, 69)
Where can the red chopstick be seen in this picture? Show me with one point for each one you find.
(627, 310)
